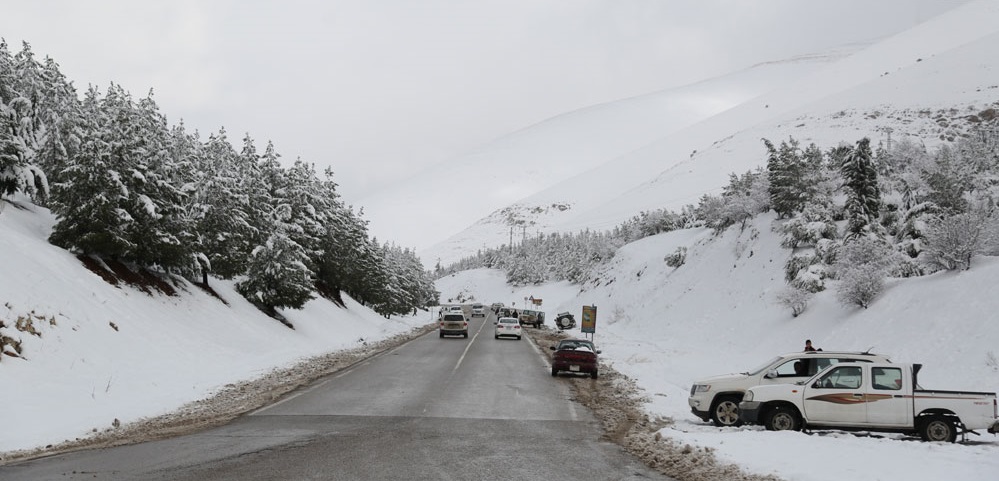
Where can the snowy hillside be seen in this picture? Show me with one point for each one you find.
(923, 83)
(93, 353)
(540, 156)
(718, 314)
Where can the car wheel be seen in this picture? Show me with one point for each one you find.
(465, 335)
(938, 429)
(554, 372)
(518, 338)
(593, 374)
(442, 335)
(782, 418)
(495, 336)
(725, 412)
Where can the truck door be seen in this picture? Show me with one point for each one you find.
(837, 397)
(886, 403)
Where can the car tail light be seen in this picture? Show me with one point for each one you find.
(516, 327)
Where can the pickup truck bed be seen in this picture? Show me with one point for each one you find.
(871, 397)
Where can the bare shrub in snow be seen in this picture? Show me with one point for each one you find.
(952, 241)
(677, 258)
(795, 299)
(860, 285)
(861, 267)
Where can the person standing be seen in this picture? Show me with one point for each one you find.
(808, 345)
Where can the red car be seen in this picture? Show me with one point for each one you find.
(575, 355)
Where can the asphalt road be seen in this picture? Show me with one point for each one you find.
(432, 409)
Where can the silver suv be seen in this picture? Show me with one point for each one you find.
(717, 398)
(454, 324)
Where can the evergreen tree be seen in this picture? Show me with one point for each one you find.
(20, 123)
(786, 174)
(276, 275)
(90, 199)
(863, 202)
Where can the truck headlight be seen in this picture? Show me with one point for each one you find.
(702, 387)
(748, 396)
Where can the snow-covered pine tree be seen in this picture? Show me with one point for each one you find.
(277, 276)
(863, 201)
(159, 231)
(785, 173)
(20, 123)
(90, 199)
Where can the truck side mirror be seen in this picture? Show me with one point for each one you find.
(771, 374)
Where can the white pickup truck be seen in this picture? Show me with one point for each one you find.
(870, 397)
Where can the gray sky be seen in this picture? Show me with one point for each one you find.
(379, 89)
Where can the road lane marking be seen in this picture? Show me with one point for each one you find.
(469, 346)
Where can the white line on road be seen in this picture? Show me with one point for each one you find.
(469, 346)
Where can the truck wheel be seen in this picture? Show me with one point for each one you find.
(782, 418)
(725, 412)
(938, 429)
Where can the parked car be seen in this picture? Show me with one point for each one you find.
(508, 326)
(565, 320)
(575, 355)
(454, 324)
(532, 317)
(717, 398)
(870, 397)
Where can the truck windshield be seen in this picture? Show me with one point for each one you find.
(765, 365)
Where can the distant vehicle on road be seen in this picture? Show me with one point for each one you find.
(508, 326)
(454, 324)
(478, 310)
(496, 307)
(575, 355)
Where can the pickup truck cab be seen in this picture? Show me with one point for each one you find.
(717, 398)
(870, 397)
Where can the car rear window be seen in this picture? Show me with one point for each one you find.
(454, 317)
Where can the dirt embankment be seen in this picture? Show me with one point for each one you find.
(617, 402)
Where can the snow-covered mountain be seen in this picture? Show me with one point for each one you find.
(455, 193)
(104, 353)
(927, 82)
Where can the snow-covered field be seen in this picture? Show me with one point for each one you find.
(717, 314)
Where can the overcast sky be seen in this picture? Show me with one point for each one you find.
(379, 89)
